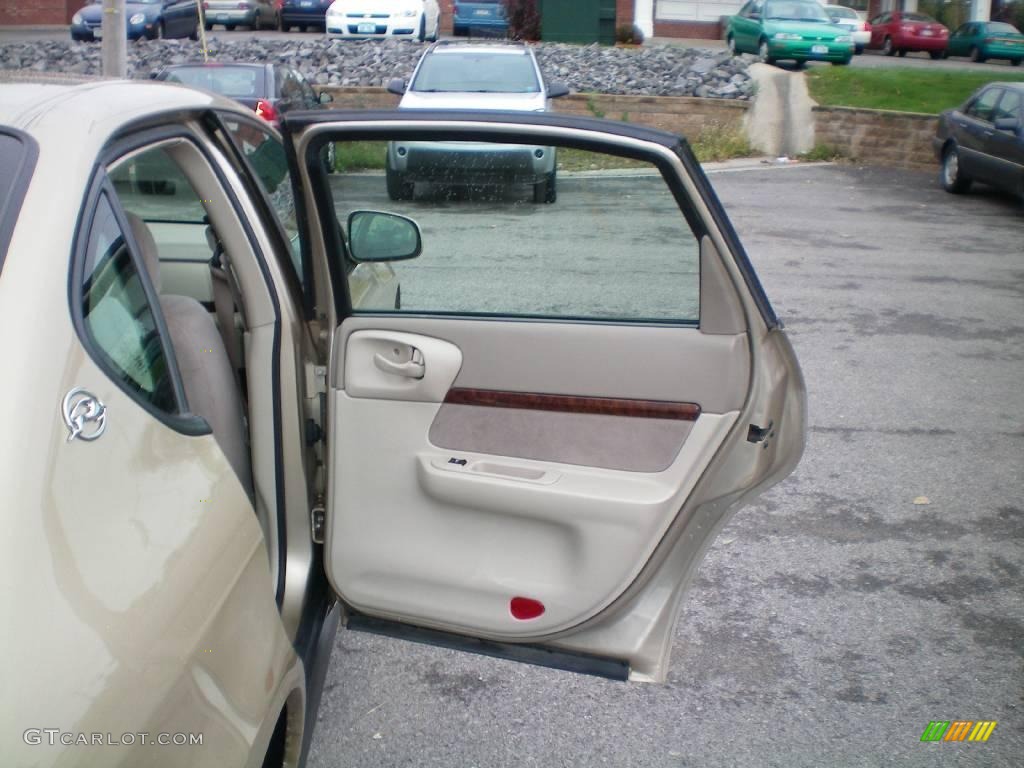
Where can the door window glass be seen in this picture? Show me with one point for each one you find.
(522, 231)
(1009, 106)
(266, 154)
(982, 106)
(117, 314)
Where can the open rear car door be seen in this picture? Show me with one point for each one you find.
(534, 438)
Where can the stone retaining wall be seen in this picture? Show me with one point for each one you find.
(878, 137)
(683, 115)
(869, 136)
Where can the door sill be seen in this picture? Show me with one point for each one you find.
(581, 663)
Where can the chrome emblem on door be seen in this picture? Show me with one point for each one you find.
(84, 415)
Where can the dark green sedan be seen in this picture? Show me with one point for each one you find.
(982, 40)
(796, 30)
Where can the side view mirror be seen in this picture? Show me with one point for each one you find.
(396, 85)
(557, 90)
(1006, 124)
(379, 236)
(325, 98)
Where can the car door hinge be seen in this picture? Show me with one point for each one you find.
(317, 522)
(756, 434)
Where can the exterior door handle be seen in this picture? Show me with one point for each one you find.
(413, 368)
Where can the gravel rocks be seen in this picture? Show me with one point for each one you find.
(652, 70)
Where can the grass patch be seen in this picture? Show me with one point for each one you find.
(580, 160)
(359, 155)
(713, 143)
(901, 88)
(716, 143)
(822, 153)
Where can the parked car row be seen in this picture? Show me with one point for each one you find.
(902, 32)
(409, 19)
(805, 30)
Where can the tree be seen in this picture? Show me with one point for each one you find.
(523, 19)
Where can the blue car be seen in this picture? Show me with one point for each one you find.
(483, 18)
(303, 14)
(148, 19)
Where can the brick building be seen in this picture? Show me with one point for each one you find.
(38, 12)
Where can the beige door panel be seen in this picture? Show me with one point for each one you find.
(564, 508)
(475, 536)
(644, 362)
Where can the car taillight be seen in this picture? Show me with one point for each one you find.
(865, 27)
(266, 110)
(989, 40)
(243, 6)
(206, 6)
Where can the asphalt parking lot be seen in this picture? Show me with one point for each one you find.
(836, 617)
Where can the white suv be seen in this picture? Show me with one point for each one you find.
(460, 76)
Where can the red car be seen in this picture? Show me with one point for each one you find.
(902, 31)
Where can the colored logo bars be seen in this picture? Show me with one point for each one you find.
(958, 730)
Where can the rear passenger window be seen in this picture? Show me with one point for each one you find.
(118, 317)
(513, 230)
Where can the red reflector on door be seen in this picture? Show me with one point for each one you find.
(524, 608)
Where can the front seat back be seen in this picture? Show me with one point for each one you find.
(210, 385)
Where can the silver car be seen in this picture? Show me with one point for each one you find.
(461, 76)
(254, 14)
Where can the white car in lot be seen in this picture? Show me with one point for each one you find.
(852, 20)
(408, 19)
(225, 447)
(461, 76)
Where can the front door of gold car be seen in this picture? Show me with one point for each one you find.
(530, 456)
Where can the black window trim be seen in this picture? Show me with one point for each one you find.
(16, 194)
(100, 187)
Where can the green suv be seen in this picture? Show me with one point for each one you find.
(798, 30)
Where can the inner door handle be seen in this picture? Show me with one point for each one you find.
(414, 368)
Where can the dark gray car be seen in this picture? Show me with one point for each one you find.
(983, 140)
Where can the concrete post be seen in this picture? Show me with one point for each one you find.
(981, 10)
(643, 17)
(115, 39)
(781, 119)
